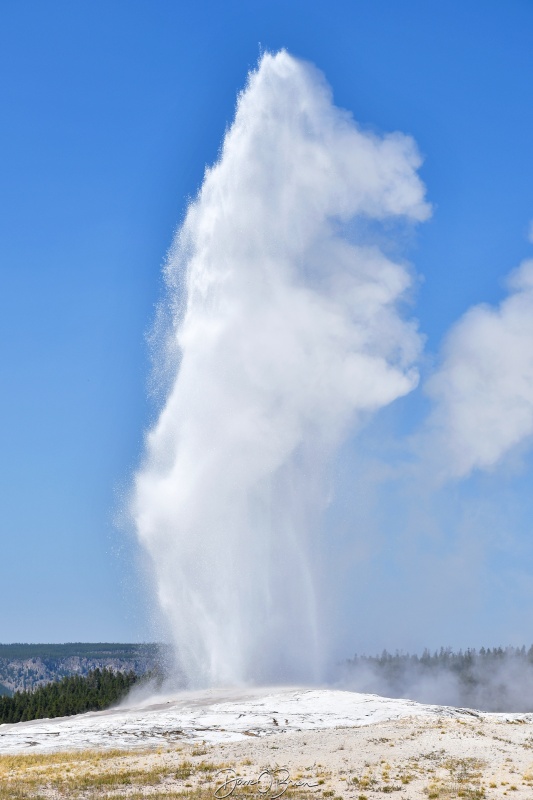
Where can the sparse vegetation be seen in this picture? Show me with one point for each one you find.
(463, 780)
(93, 774)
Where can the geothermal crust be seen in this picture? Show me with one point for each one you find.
(225, 715)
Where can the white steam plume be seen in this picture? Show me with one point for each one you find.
(484, 387)
(288, 332)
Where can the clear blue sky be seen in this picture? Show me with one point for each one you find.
(110, 112)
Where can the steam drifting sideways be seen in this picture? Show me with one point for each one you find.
(483, 390)
(286, 322)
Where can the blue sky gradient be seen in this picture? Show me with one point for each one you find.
(111, 111)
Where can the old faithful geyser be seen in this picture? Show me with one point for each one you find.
(286, 323)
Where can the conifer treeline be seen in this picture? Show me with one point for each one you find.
(460, 662)
(75, 694)
(497, 679)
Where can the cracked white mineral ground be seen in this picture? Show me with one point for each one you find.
(220, 715)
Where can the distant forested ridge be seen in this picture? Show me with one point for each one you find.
(497, 679)
(27, 666)
(72, 695)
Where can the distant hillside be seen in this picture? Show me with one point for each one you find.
(27, 666)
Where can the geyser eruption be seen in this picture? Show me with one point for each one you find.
(285, 319)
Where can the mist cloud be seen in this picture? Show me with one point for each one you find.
(290, 332)
(483, 389)
(288, 323)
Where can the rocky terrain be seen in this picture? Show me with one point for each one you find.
(27, 666)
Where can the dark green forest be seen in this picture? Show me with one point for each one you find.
(74, 694)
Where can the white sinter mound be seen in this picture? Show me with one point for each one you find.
(218, 715)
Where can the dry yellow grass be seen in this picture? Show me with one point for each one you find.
(159, 775)
(431, 760)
